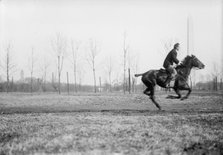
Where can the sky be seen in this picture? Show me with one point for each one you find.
(148, 25)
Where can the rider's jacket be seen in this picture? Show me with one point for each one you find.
(171, 58)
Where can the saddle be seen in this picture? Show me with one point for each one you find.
(162, 70)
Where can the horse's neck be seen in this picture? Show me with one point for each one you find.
(185, 71)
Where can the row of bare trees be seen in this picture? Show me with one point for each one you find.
(91, 58)
(59, 46)
(7, 64)
(63, 50)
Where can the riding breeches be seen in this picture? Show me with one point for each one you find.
(172, 71)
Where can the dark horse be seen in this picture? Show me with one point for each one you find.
(153, 77)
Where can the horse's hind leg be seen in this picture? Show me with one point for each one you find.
(147, 91)
(152, 97)
(150, 90)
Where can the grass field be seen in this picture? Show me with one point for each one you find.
(110, 124)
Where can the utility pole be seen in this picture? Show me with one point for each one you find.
(68, 87)
(129, 81)
(189, 47)
(221, 42)
(100, 84)
(188, 36)
(12, 84)
(52, 78)
(125, 50)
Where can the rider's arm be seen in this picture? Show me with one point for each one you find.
(174, 56)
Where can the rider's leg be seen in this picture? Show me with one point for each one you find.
(172, 73)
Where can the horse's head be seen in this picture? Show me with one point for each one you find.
(195, 62)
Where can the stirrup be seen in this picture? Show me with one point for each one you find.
(166, 85)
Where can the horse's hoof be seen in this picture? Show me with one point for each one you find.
(183, 98)
(169, 97)
(161, 110)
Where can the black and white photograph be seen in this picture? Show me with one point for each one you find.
(111, 77)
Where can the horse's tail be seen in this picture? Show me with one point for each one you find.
(137, 75)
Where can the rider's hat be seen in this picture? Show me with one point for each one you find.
(176, 45)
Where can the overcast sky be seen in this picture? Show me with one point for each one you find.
(149, 24)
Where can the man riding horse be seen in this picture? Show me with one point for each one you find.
(168, 64)
(159, 77)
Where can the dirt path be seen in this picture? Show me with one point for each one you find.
(10, 104)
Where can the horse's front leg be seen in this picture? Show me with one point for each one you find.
(186, 87)
(177, 91)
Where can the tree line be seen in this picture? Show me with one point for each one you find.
(69, 50)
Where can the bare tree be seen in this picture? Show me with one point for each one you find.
(125, 49)
(216, 73)
(8, 65)
(133, 61)
(59, 46)
(109, 71)
(80, 73)
(74, 50)
(44, 69)
(91, 58)
(32, 62)
(53, 82)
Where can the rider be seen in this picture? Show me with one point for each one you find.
(168, 63)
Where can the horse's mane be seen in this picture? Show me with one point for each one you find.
(184, 62)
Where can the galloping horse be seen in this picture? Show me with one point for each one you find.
(153, 77)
